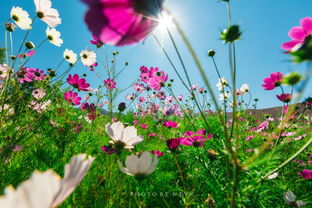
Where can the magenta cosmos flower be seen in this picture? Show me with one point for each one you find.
(195, 139)
(273, 81)
(157, 153)
(170, 124)
(72, 97)
(299, 34)
(38, 74)
(110, 84)
(158, 80)
(306, 174)
(122, 22)
(285, 97)
(25, 74)
(173, 144)
(78, 83)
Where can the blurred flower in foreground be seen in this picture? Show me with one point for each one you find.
(47, 14)
(285, 97)
(123, 22)
(298, 34)
(141, 165)
(47, 189)
(290, 198)
(123, 137)
(21, 18)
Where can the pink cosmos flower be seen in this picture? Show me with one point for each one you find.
(285, 97)
(72, 97)
(180, 97)
(158, 80)
(139, 87)
(144, 126)
(195, 139)
(38, 74)
(250, 137)
(273, 81)
(141, 99)
(143, 69)
(157, 153)
(87, 107)
(170, 124)
(25, 74)
(110, 84)
(38, 93)
(306, 174)
(96, 42)
(298, 35)
(161, 95)
(78, 83)
(108, 150)
(145, 77)
(24, 55)
(122, 22)
(173, 144)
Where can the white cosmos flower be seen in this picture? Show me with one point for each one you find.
(222, 83)
(244, 88)
(38, 93)
(224, 95)
(70, 56)
(88, 57)
(21, 18)
(138, 166)
(126, 136)
(47, 14)
(47, 189)
(54, 36)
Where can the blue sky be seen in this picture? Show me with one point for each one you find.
(265, 24)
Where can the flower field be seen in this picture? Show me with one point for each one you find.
(82, 134)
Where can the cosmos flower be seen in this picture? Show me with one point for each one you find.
(39, 93)
(88, 57)
(244, 88)
(273, 81)
(139, 87)
(110, 84)
(96, 42)
(173, 144)
(72, 97)
(306, 174)
(70, 56)
(77, 82)
(4, 71)
(24, 55)
(122, 23)
(123, 137)
(298, 35)
(54, 36)
(222, 83)
(290, 198)
(195, 139)
(158, 80)
(285, 97)
(141, 165)
(170, 124)
(157, 153)
(38, 74)
(224, 95)
(47, 189)
(47, 14)
(21, 18)
(25, 75)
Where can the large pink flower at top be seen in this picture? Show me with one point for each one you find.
(273, 81)
(299, 34)
(122, 22)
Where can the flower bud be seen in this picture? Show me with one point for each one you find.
(30, 45)
(231, 34)
(122, 106)
(292, 79)
(211, 53)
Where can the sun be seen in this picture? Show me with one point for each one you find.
(165, 21)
